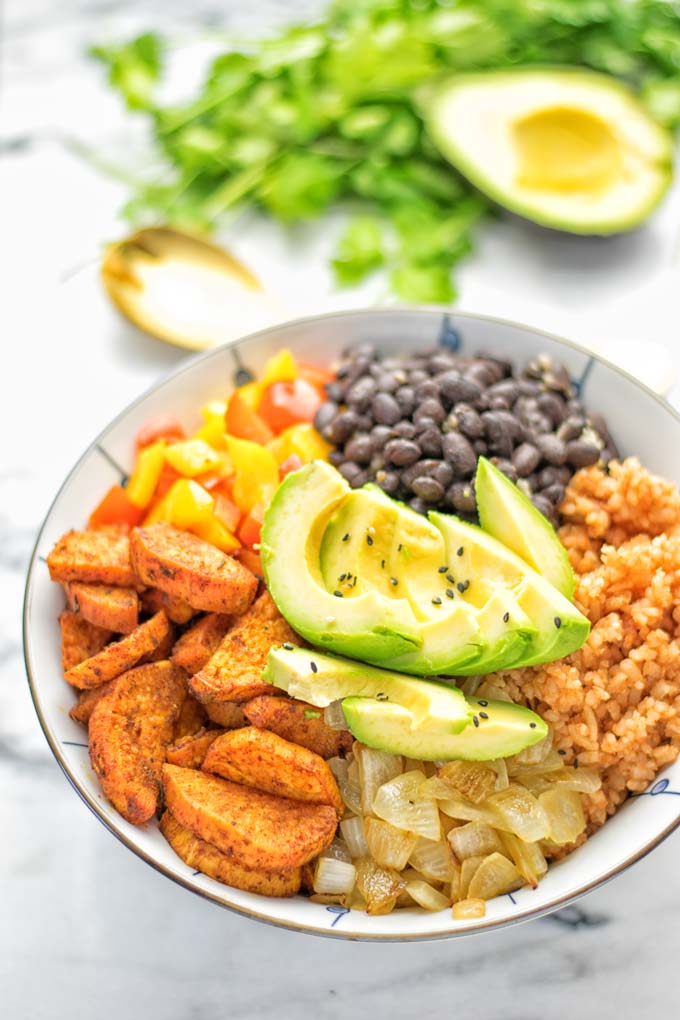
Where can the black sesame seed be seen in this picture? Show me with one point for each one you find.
(369, 540)
(287, 645)
(460, 551)
(558, 622)
(338, 594)
(461, 587)
(484, 704)
(382, 564)
(436, 601)
(345, 537)
(532, 725)
(394, 581)
(442, 570)
(575, 763)
(451, 578)
(475, 720)
(506, 617)
(342, 577)
(314, 668)
(483, 715)
(380, 696)
(354, 582)
(450, 594)
(399, 547)
(561, 752)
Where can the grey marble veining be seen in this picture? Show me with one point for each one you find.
(85, 927)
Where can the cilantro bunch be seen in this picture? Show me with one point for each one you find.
(329, 113)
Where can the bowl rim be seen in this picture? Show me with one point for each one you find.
(309, 929)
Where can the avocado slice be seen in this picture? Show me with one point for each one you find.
(507, 514)
(366, 625)
(555, 626)
(565, 147)
(320, 679)
(503, 729)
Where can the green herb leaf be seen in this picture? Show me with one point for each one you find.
(360, 250)
(134, 68)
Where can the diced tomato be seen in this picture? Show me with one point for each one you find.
(167, 479)
(226, 511)
(287, 403)
(252, 561)
(245, 423)
(249, 532)
(292, 463)
(116, 508)
(165, 426)
(318, 377)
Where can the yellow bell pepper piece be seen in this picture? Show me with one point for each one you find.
(144, 479)
(257, 473)
(251, 394)
(302, 439)
(212, 430)
(281, 367)
(190, 507)
(192, 457)
(213, 531)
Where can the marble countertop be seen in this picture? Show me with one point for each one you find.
(85, 927)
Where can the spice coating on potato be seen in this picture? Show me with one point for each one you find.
(177, 610)
(105, 606)
(200, 642)
(234, 672)
(192, 718)
(130, 729)
(227, 714)
(84, 706)
(257, 829)
(300, 723)
(96, 557)
(80, 640)
(121, 655)
(188, 568)
(201, 856)
(190, 751)
(265, 761)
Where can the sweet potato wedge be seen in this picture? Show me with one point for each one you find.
(234, 671)
(177, 610)
(298, 722)
(130, 728)
(190, 751)
(265, 761)
(188, 568)
(115, 609)
(200, 641)
(121, 655)
(84, 706)
(95, 557)
(192, 718)
(162, 649)
(227, 714)
(201, 856)
(255, 828)
(80, 640)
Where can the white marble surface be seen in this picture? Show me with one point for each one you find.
(85, 927)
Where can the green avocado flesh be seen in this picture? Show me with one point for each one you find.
(566, 147)
(320, 679)
(507, 514)
(359, 574)
(385, 726)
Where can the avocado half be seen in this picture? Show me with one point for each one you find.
(565, 147)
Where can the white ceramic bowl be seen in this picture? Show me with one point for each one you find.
(641, 423)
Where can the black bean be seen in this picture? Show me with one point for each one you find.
(405, 429)
(571, 427)
(503, 363)
(381, 434)
(325, 415)
(443, 473)
(336, 457)
(553, 406)
(385, 408)
(581, 453)
(335, 391)
(499, 432)
(430, 441)
(469, 421)
(419, 505)
(498, 403)
(349, 469)
(480, 447)
(364, 422)
(429, 408)
(543, 505)
(557, 378)
(461, 495)
(421, 467)
(453, 388)
(388, 481)
(529, 388)
(507, 388)
(359, 448)
(428, 488)
(341, 428)
(575, 406)
(387, 382)
(553, 476)
(552, 448)
(377, 463)
(417, 376)
(506, 467)
(362, 478)
(360, 393)
(526, 459)
(554, 493)
(405, 396)
(484, 373)
(459, 453)
(402, 452)
(440, 362)
(426, 389)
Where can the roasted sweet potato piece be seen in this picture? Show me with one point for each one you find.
(121, 655)
(177, 610)
(234, 672)
(162, 649)
(201, 856)
(114, 609)
(96, 557)
(84, 706)
(226, 714)
(262, 759)
(190, 751)
(188, 568)
(200, 641)
(192, 718)
(80, 640)
(300, 723)
(130, 729)
(257, 829)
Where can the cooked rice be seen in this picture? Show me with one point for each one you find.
(614, 705)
